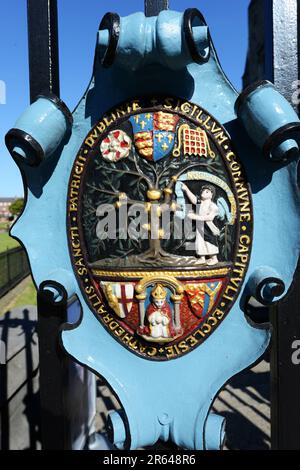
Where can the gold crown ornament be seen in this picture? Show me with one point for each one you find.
(159, 293)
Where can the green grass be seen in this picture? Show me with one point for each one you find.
(6, 242)
(4, 225)
(19, 297)
(27, 297)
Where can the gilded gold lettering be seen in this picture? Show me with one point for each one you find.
(206, 328)
(101, 309)
(168, 104)
(170, 351)
(185, 108)
(120, 331)
(193, 341)
(183, 346)
(152, 352)
(219, 313)
(91, 139)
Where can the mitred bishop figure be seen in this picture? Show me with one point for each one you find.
(159, 315)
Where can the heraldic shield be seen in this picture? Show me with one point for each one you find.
(158, 225)
(154, 134)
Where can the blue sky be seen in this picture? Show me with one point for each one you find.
(78, 23)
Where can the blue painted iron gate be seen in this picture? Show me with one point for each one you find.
(142, 315)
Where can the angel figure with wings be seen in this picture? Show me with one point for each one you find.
(207, 232)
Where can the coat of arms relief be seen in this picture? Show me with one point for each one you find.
(162, 190)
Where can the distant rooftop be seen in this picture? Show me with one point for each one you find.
(7, 199)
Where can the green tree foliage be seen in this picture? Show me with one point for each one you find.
(16, 207)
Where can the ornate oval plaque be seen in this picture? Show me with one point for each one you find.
(160, 225)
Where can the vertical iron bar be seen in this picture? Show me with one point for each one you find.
(285, 371)
(281, 45)
(268, 43)
(153, 7)
(282, 67)
(42, 21)
(28, 332)
(43, 47)
(4, 408)
(8, 267)
(53, 372)
(274, 55)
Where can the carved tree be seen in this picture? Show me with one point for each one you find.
(136, 177)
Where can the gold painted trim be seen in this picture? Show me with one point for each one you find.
(112, 299)
(154, 194)
(184, 127)
(156, 274)
(170, 281)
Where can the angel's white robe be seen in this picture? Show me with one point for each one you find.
(209, 210)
